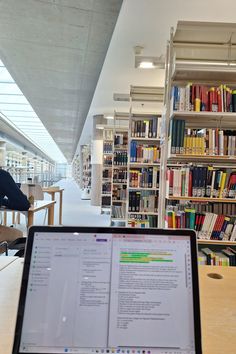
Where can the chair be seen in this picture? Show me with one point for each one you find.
(7, 236)
(33, 191)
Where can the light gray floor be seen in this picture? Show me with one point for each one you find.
(79, 212)
(75, 211)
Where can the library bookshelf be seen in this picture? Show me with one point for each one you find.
(106, 170)
(119, 170)
(144, 157)
(198, 141)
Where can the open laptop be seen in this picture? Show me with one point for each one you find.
(109, 290)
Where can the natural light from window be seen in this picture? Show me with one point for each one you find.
(15, 108)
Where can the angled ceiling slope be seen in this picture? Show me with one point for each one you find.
(55, 49)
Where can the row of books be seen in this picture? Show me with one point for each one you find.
(107, 173)
(118, 212)
(201, 182)
(142, 221)
(106, 188)
(216, 142)
(120, 176)
(201, 98)
(144, 201)
(121, 139)
(217, 208)
(107, 147)
(144, 153)
(120, 158)
(119, 193)
(208, 226)
(226, 257)
(107, 160)
(146, 128)
(144, 177)
(106, 201)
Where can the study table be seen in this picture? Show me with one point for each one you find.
(218, 307)
(52, 191)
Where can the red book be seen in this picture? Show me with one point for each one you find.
(219, 99)
(190, 184)
(215, 228)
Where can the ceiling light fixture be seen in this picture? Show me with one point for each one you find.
(149, 62)
(109, 117)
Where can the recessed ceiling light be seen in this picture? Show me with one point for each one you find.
(147, 65)
(109, 117)
(149, 62)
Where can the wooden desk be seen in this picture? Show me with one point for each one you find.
(10, 279)
(218, 308)
(40, 205)
(6, 261)
(52, 191)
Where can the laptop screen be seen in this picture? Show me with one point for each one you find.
(109, 293)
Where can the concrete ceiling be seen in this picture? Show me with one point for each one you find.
(55, 49)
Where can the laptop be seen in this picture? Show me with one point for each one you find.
(95, 290)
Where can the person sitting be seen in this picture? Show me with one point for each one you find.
(11, 197)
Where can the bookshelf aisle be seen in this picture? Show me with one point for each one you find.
(119, 169)
(107, 170)
(86, 172)
(144, 157)
(198, 145)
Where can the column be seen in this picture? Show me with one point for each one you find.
(96, 160)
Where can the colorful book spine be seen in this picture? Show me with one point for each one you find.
(199, 98)
(205, 142)
(209, 226)
(198, 181)
(143, 201)
(146, 128)
(144, 178)
(144, 153)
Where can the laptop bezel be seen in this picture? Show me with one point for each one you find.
(113, 230)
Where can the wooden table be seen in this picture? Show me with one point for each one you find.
(6, 261)
(10, 279)
(52, 191)
(218, 310)
(218, 307)
(40, 205)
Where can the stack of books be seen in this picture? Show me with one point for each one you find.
(227, 257)
(144, 178)
(107, 161)
(144, 201)
(142, 221)
(120, 158)
(121, 140)
(106, 188)
(119, 176)
(107, 147)
(146, 128)
(144, 153)
(200, 98)
(200, 181)
(118, 212)
(209, 226)
(119, 193)
(107, 174)
(206, 142)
